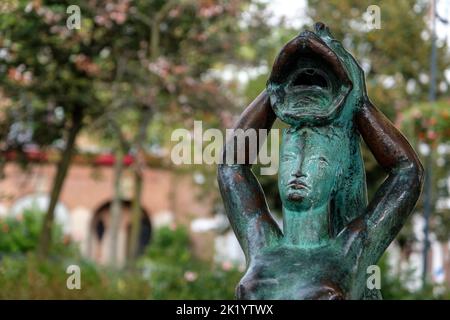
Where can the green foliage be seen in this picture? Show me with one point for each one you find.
(28, 277)
(168, 271)
(393, 285)
(170, 245)
(49, 76)
(427, 122)
(174, 273)
(20, 234)
(133, 69)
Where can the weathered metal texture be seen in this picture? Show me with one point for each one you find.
(331, 234)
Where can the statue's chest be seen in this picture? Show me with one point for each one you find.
(296, 274)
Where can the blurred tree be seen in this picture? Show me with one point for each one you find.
(428, 125)
(47, 71)
(130, 63)
(171, 61)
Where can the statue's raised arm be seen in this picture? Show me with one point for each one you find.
(243, 196)
(395, 199)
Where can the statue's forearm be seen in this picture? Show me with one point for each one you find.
(390, 148)
(258, 115)
(395, 199)
(244, 198)
(388, 211)
(246, 208)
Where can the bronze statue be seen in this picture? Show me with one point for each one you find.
(331, 234)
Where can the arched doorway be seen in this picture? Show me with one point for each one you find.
(99, 239)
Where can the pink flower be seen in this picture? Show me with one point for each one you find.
(19, 75)
(417, 114)
(84, 63)
(209, 11)
(227, 265)
(190, 276)
(432, 135)
(118, 17)
(174, 13)
(100, 20)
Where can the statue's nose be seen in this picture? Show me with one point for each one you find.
(299, 174)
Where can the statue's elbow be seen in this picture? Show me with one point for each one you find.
(420, 173)
(221, 172)
(231, 175)
(224, 172)
(417, 174)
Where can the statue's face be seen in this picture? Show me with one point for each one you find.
(309, 168)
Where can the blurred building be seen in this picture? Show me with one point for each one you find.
(83, 210)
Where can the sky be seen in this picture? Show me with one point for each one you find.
(293, 11)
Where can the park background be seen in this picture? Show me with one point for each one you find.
(86, 117)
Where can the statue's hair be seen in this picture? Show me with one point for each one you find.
(349, 198)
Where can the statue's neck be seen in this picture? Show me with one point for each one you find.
(306, 228)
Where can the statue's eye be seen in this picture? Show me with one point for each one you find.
(323, 161)
(288, 156)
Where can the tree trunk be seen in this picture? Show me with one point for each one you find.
(45, 239)
(139, 166)
(136, 215)
(116, 206)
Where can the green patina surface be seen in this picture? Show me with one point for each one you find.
(326, 161)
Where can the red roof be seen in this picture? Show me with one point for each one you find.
(104, 159)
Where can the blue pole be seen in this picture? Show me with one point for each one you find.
(429, 161)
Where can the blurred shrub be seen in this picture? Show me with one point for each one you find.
(27, 277)
(24, 276)
(174, 273)
(20, 234)
(393, 286)
(168, 270)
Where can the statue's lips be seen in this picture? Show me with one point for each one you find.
(307, 43)
(297, 185)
